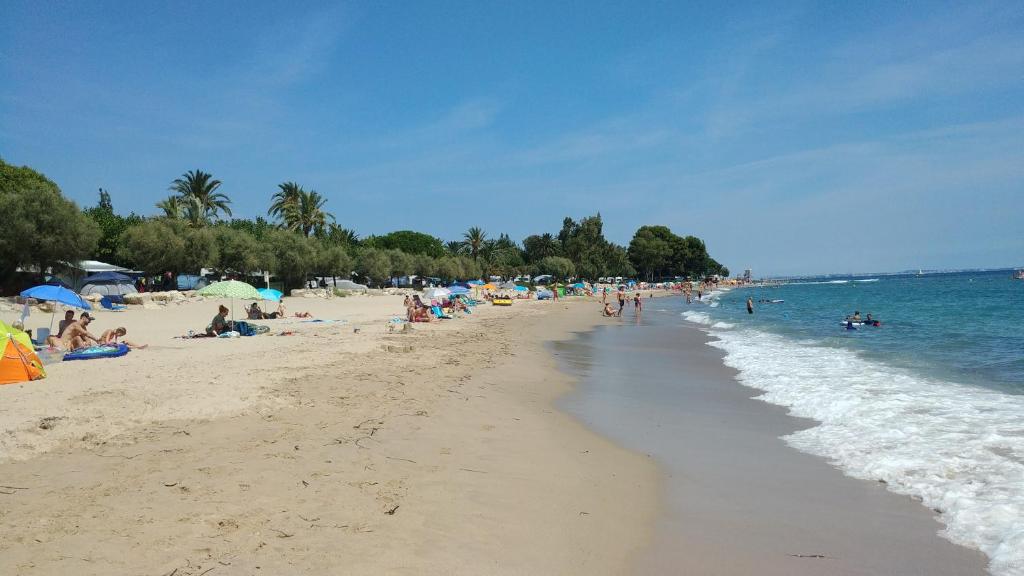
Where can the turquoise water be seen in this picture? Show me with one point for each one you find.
(967, 327)
(931, 402)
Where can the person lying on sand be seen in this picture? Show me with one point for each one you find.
(282, 312)
(111, 336)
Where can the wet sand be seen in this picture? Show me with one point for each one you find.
(737, 500)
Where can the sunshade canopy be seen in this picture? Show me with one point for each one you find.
(56, 294)
(231, 289)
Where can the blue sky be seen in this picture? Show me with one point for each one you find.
(797, 138)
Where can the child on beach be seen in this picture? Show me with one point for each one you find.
(638, 305)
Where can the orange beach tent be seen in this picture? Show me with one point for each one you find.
(19, 362)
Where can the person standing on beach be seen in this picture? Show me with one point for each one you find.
(638, 305)
(750, 305)
(622, 301)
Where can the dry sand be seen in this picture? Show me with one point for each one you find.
(331, 451)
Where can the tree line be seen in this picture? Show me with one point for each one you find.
(194, 229)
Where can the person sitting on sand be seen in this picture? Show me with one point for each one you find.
(69, 318)
(111, 336)
(219, 325)
(282, 312)
(255, 313)
(608, 311)
(76, 335)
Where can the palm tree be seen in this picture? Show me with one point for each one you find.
(475, 239)
(203, 188)
(308, 215)
(284, 199)
(338, 235)
(455, 247)
(172, 207)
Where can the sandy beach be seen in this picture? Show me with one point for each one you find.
(329, 451)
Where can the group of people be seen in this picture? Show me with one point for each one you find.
(74, 334)
(638, 303)
(255, 313)
(418, 311)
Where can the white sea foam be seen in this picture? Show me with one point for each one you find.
(723, 325)
(867, 280)
(822, 282)
(960, 449)
(697, 317)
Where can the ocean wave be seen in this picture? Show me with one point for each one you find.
(867, 280)
(960, 449)
(723, 325)
(821, 282)
(697, 317)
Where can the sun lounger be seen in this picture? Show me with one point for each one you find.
(439, 313)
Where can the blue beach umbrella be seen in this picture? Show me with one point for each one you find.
(456, 289)
(474, 283)
(56, 294)
(270, 294)
(579, 285)
(519, 288)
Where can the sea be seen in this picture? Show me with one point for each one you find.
(930, 401)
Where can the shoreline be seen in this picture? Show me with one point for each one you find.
(738, 499)
(437, 451)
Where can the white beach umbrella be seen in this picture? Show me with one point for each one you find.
(436, 293)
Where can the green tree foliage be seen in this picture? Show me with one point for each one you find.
(557, 266)
(338, 236)
(540, 246)
(258, 228)
(239, 252)
(651, 251)
(197, 193)
(154, 246)
(449, 268)
(402, 264)
(425, 265)
(410, 242)
(112, 226)
(334, 261)
(41, 227)
(468, 268)
(172, 207)
(294, 255)
(455, 247)
(374, 264)
(657, 253)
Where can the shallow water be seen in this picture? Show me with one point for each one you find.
(931, 402)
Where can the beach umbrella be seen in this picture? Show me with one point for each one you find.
(270, 294)
(474, 283)
(488, 286)
(60, 294)
(458, 289)
(579, 285)
(231, 289)
(435, 293)
(519, 288)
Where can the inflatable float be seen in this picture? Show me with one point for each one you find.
(502, 301)
(93, 352)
